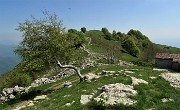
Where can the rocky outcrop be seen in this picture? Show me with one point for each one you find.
(9, 93)
(85, 99)
(116, 93)
(90, 76)
(173, 78)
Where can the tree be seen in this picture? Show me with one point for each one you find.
(46, 41)
(83, 29)
(107, 34)
(130, 46)
(149, 53)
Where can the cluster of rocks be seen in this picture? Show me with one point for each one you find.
(9, 93)
(61, 75)
(164, 100)
(88, 62)
(116, 93)
(85, 99)
(173, 78)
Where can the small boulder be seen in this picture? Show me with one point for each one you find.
(40, 97)
(85, 99)
(136, 81)
(67, 84)
(11, 96)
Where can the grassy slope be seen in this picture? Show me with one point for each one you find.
(100, 45)
(149, 96)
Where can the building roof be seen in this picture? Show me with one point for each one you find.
(174, 57)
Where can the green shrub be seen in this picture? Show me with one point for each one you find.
(141, 63)
(130, 46)
(15, 78)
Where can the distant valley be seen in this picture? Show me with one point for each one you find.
(8, 60)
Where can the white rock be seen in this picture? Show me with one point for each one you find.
(156, 69)
(11, 96)
(91, 76)
(85, 99)
(152, 77)
(9, 90)
(40, 97)
(67, 84)
(173, 78)
(129, 72)
(18, 108)
(69, 104)
(3, 98)
(164, 100)
(30, 103)
(116, 93)
(136, 81)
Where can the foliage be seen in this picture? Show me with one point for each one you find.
(15, 78)
(43, 40)
(130, 46)
(83, 29)
(107, 34)
(137, 34)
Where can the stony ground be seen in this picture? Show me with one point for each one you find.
(132, 87)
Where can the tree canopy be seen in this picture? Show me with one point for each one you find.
(43, 40)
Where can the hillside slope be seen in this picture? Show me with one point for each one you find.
(149, 87)
(148, 96)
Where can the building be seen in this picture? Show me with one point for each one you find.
(168, 61)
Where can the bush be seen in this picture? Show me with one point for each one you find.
(141, 63)
(130, 46)
(15, 78)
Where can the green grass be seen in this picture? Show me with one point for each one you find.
(149, 96)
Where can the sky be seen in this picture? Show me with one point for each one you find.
(157, 19)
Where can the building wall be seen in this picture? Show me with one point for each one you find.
(176, 66)
(164, 63)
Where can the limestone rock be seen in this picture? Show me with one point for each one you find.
(116, 93)
(173, 78)
(67, 84)
(40, 97)
(11, 96)
(136, 81)
(85, 99)
(91, 76)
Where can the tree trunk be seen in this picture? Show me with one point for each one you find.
(71, 67)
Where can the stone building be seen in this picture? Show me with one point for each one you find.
(168, 61)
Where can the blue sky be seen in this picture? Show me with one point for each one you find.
(157, 19)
